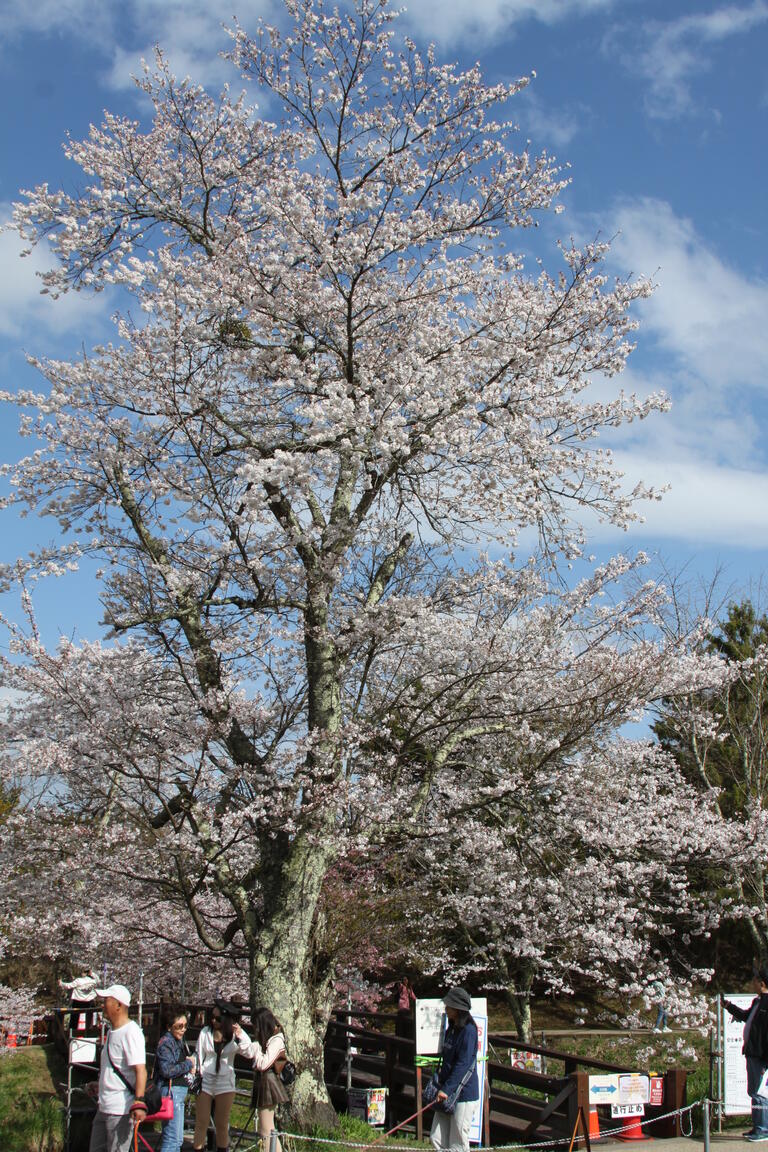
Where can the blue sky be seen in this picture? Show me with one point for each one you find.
(659, 106)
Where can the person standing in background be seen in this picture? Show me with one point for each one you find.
(755, 1049)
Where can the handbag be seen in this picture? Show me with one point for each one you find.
(287, 1073)
(195, 1083)
(430, 1090)
(164, 1112)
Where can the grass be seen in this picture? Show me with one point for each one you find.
(31, 1113)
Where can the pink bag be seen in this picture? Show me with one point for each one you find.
(164, 1112)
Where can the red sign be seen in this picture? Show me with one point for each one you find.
(657, 1091)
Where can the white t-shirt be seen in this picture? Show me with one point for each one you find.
(126, 1047)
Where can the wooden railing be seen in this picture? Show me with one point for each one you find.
(366, 1053)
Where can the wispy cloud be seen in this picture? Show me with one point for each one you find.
(449, 22)
(23, 310)
(671, 55)
(703, 339)
(549, 127)
(190, 31)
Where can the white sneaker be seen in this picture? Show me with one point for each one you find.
(657, 1029)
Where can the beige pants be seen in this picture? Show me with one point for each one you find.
(450, 1132)
(221, 1118)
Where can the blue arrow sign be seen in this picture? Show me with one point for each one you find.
(603, 1088)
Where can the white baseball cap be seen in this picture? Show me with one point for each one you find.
(117, 992)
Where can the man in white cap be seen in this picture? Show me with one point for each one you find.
(122, 1078)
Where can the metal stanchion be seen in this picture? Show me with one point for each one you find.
(273, 1141)
(705, 1110)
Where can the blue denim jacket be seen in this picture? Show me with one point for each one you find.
(170, 1060)
(458, 1057)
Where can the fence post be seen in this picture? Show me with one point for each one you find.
(674, 1098)
(706, 1125)
(419, 1105)
(578, 1103)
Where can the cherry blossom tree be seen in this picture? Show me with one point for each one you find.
(718, 736)
(582, 881)
(302, 474)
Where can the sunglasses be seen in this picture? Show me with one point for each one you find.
(178, 1027)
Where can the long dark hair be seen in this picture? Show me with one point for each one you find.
(462, 1018)
(265, 1026)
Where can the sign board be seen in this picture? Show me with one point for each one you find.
(526, 1061)
(634, 1088)
(603, 1089)
(430, 1015)
(618, 1110)
(657, 1091)
(82, 1050)
(736, 1097)
(476, 1123)
(368, 1104)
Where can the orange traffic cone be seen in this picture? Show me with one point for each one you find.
(594, 1124)
(631, 1129)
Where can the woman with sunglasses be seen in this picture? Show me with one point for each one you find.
(172, 1063)
(217, 1045)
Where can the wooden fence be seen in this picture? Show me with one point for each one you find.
(364, 1051)
(522, 1105)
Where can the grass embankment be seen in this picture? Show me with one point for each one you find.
(31, 1113)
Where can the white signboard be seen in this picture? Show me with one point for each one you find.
(430, 1015)
(619, 1110)
(476, 1123)
(604, 1089)
(634, 1088)
(737, 1101)
(83, 1050)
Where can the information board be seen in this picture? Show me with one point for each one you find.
(634, 1088)
(82, 1050)
(430, 1017)
(736, 1098)
(604, 1089)
(476, 1124)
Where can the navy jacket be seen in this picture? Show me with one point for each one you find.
(756, 1043)
(459, 1057)
(170, 1060)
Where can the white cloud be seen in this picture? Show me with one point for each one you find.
(454, 21)
(23, 310)
(671, 55)
(703, 339)
(706, 314)
(190, 31)
(549, 127)
(705, 504)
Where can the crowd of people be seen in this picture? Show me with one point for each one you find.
(122, 1089)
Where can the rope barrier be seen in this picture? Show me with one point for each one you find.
(392, 1147)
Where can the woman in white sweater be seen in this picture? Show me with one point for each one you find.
(267, 1050)
(217, 1046)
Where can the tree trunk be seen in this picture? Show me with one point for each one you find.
(518, 999)
(281, 976)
